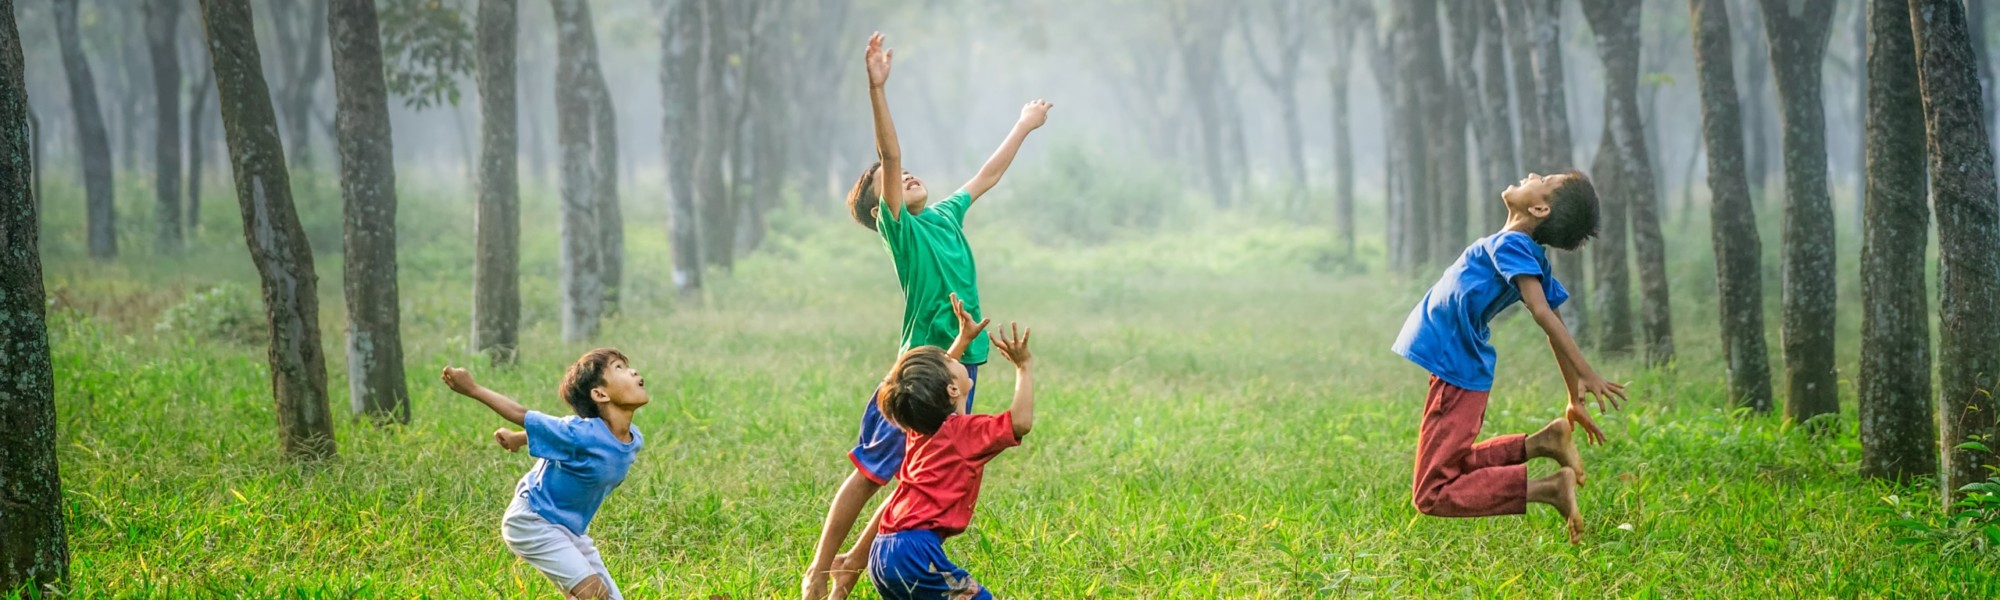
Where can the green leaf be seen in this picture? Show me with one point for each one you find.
(1974, 446)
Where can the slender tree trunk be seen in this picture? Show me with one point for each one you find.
(368, 191)
(1417, 50)
(92, 140)
(719, 127)
(34, 549)
(1739, 278)
(1798, 38)
(162, 22)
(297, 91)
(271, 230)
(35, 160)
(1967, 206)
(582, 275)
(197, 149)
(1496, 123)
(1195, 36)
(1458, 94)
(1338, 74)
(1616, 28)
(496, 267)
(1757, 107)
(1975, 17)
(1557, 154)
(610, 218)
(682, 43)
(1519, 19)
(1897, 427)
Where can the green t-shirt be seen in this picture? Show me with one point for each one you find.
(933, 262)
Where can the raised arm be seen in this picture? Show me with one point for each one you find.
(888, 181)
(1015, 348)
(1032, 117)
(1578, 377)
(460, 381)
(967, 329)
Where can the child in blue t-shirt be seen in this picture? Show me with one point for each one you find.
(579, 459)
(1446, 334)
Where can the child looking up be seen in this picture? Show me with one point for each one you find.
(579, 459)
(933, 264)
(1446, 334)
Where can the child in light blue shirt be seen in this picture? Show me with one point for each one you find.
(579, 460)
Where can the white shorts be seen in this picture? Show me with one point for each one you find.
(566, 558)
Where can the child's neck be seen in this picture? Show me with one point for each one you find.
(1518, 222)
(619, 420)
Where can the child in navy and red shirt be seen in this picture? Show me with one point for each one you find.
(1446, 334)
(946, 456)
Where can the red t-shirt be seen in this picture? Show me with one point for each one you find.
(941, 473)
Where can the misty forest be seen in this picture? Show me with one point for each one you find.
(242, 238)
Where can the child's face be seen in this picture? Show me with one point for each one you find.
(914, 192)
(1530, 196)
(623, 386)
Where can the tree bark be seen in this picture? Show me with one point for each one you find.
(1338, 74)
(1897, 428)
(1496, 119)
(582, 275)
(162, 22)
(1557, 154)
(496, 223)
(1975, 16)
(610, 216)
(1518, 19)
(682, 41)
(720, 125)
(34, 549)
(368, 193)
(271, 229)
(1610, 298)
(1798, 32)
(1453, 147)
(1416, 48)
(1739, 278)
(1757, 111)
(92, 140)
(197, 149)
(1964, 199)
(302, 76)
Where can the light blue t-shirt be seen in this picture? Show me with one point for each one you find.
(580, 462)
(1446, 333)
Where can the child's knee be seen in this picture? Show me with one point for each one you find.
(1427, 503)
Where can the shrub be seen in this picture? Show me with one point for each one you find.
(228, 312)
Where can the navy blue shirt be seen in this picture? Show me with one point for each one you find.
(581, 461)
(1446, 334)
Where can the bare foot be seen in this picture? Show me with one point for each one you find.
(814, 585)
(1565, 502)
(1556, 442)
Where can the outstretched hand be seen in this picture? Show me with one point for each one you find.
(966, 327)
(878, 59)
(1592, 386)
(1579, 417)
(1035, 114)
(1015, 346)
(459, 380)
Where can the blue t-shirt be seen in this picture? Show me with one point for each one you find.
(580, 462)
(1446, 334)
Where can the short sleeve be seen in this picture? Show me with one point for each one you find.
(955, 206)
(895, 231)
(549, 437)
(1515, 255)
(984, 436)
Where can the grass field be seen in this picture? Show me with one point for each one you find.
(1219, 417)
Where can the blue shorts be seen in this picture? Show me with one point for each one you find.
(879, 453)
(911, 564)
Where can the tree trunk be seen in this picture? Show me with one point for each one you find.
(92, 140)
(34, 549)
(162, 22)
(1739, 278)
(496, 267)
(720, 125)
(1616, 29)
(1975, 16)
(1338, 74)
(1281, 76)
(303, 75)
(1897, 427)
(1557, 155)
(1519, 21)
(1195, 36)
(582, 275)
(682, 44)
(1416, 49)
(35, 160)
(1458, 93)
(1968, 214)
(1496, 120)
(1757, 111)
(197, 149)
(1798, 38)
(368, 193)
(604, 163)
(271, 230)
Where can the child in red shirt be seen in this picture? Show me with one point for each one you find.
(947, 451)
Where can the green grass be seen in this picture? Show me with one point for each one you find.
(1219, 417)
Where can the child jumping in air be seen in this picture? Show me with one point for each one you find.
(579, 460)
(928, 395)
(933, 263)
(1446, 334)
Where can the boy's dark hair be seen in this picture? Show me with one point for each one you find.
(1572, 214)
(585, 375)
(862, 199)
(917, 395)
